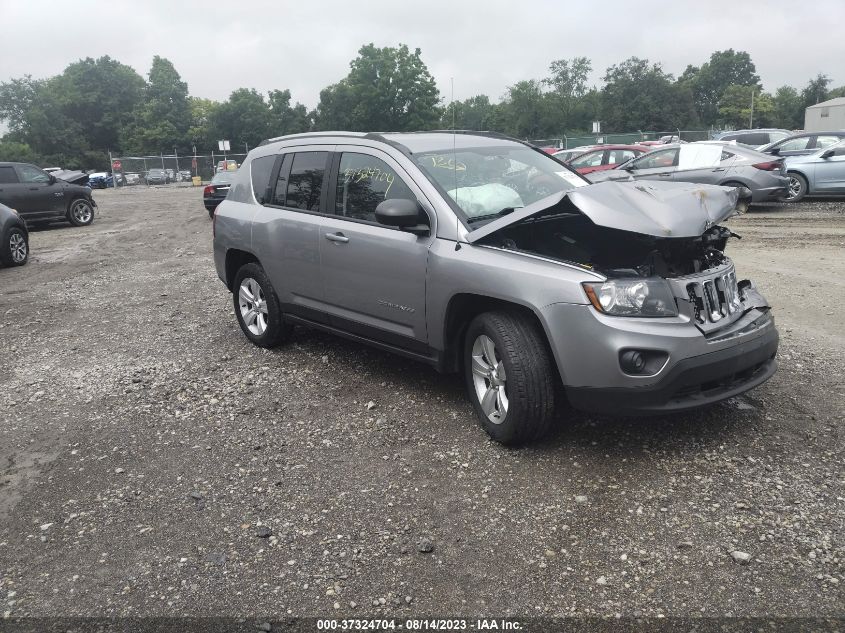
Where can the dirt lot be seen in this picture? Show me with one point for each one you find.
(155, 463)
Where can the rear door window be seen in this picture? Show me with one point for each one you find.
(363, 182)
(754, 139)
(619, 156)
(8, 175)
(795, 144)
(305, 182)
(695, 156)
(590, 159)
(657, 159)
(824, 141)
(260, 172)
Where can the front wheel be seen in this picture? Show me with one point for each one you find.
(797, 188)
(15, 248)
(80, 212)
(257, 307)
(510, 376)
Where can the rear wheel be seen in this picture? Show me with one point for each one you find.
(257, 307)
(797, 188)
(80, 212)
(14, 251)
(510, 376)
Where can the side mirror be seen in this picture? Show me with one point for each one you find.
(829, 153)
(403, 214)
(52, 179)
(775, 151)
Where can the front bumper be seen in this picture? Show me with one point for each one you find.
(691, 383)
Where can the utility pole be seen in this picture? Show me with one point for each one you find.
(751, 118)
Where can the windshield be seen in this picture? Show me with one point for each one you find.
(485, 182)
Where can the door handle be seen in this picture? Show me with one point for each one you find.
(337, 237)
(719, 169)
(669, 175)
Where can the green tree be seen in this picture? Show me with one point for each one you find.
(386, 89)
(475, 113)
(525, 111)
(200, 133)
(161, 122)
(568, 84)
(816, 90)
(735, 107)
(639, 95)
(243, 119)
(285, 118)
(709, 82)
(789, 108)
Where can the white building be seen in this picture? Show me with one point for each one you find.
(825, 116)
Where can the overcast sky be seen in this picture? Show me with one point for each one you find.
(218, 45)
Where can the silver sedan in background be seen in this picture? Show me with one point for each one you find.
(711, 163)
(822, 173)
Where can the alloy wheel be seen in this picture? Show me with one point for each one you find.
(17, 244)
(795, 188)
(81, 211)
(253, 306)
(489, 379)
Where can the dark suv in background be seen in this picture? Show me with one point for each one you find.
(39, 196)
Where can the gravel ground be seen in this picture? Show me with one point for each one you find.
(155, 463)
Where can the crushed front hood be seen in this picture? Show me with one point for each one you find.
(659, 209)
(73, 177)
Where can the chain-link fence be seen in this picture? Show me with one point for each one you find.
(177, 169)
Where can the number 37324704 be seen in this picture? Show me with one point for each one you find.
(354, 175)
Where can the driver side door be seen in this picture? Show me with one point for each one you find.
(374, 276)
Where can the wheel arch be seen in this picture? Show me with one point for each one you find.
(463, 308)
(235, 259)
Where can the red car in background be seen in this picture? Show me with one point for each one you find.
(606, 157)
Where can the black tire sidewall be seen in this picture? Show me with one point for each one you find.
(277, 330)
(6, 248)
(73, 220)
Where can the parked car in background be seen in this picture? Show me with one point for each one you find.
(132, 178)
(803, 144)
(14, 238)
(483, 255)
(605, 157)
(184, 175)
(104, 179)
(755, 138)
(821, 173)
(227, 165)
(216, 191)
(39, 196)
(565, 155)
(51, 170)
(170, 174)
(709, 163)
(157, 176)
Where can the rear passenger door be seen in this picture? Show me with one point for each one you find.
(657, 165)
(374, 275)
(10, 187)
(701, 163)
(286, 229)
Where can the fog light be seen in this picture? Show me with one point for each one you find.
(632, 362)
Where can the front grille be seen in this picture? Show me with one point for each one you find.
(715, 298)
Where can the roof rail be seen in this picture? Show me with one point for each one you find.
(312, 135)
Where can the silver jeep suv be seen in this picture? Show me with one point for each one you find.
(480, 254)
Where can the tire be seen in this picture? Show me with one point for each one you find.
(745, 208)
(526, 411)
(14, 251)
(265, 326)
(797, 188)
(80, 212)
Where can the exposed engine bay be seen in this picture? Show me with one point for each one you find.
(574, 238)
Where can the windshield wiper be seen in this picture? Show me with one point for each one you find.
(491, 216)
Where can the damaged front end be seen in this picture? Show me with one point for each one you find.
(657, 244)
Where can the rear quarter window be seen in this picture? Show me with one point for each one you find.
(260, 171)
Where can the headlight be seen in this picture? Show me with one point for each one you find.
(632, 297)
